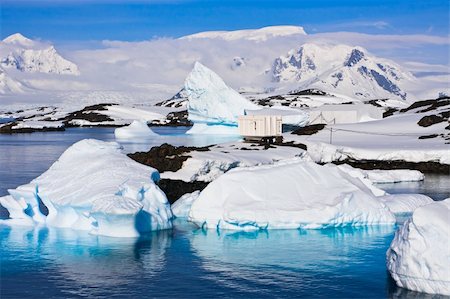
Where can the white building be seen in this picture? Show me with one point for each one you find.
(260, 126)
(344, 113)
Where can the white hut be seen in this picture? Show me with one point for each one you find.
(260, 127)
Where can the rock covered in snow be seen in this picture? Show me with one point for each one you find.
(94, 186)
(211, 100)
(182, 206)
(137, 129)
(419, 256)
(287, 196)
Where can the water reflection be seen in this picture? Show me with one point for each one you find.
(82, 264)
(316, 262)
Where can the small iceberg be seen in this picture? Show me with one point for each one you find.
(93, 186)
(289, 195)
(419, 256)
(138, 129)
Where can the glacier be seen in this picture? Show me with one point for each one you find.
(137, 129)
(93, 186)
(419, 257)
(288, 195)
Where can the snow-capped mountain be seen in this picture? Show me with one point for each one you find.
(343, 69)
(261, 34)
(26, 55)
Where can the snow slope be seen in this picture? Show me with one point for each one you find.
(94, 187)
(351, 71)
(419, 256)
(287, 196)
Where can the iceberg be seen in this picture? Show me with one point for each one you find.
(137, 129)
(182, 206)
(211, 100)
(288, 195)
(419, 256)
(214, 103)
(94, 186)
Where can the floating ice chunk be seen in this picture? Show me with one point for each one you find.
(404, 203)
(137, 129)
(86, 172)
(289, 195)
(419, 256)
(182, 206)
(201, 128)
(394, 176)
(211, 100)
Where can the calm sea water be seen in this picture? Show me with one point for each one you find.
(186, 262)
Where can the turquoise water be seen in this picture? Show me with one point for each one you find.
(186, 262)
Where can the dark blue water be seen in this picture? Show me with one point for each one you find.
(185, 262)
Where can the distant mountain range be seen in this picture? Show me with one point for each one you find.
(342, 69)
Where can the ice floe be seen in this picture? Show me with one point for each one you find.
(137, 129)
(419, 256)
(287, 195)
(94, 186)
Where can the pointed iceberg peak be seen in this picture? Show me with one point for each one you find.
(18, 39)
(211, 100)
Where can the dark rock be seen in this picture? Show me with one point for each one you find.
(426, 167)
(88, 113)
(175, 119)
(174, 189)
(165, 157)
(430, 120)
(8, 129)
(428, 136)
(309, 130)
(432, 104)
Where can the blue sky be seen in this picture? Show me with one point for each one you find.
(83, 20)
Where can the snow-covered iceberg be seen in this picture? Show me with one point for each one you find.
(137, 129)
(94, 186)
(182, 206)
(419, 256)
(214, 103)
(211, 100)
(287, 196)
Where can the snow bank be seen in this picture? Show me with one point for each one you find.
(404, 203)
(287, 196)
(211, 100)
(93, 186)
(137, 129)
(419, 257)
(182, 206)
